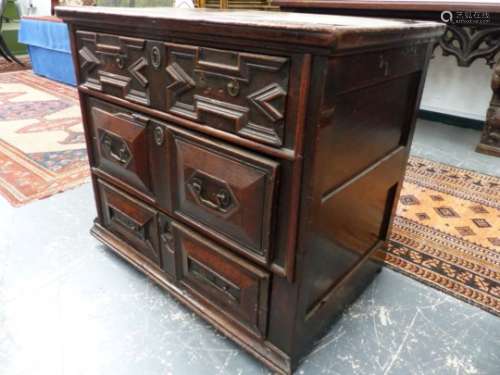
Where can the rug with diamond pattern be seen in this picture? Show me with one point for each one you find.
(42, 146)
(447, 232)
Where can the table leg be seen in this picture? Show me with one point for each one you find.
(5, 51)
(490, 139)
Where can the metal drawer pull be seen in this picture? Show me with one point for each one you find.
(123, 155)
(223, 197)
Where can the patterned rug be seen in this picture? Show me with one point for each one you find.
(42, 146)
(447, 232)
(6, 66)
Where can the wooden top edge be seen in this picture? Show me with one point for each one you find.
(313, 30)
(394, 5)
(42, 18)
(267, 19)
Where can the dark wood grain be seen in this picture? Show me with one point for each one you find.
(402, 5)
(252, 175)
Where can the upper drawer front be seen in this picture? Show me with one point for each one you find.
(121, 143)
(229, 283)
(237, 92)
(226, 189)
(115, 65)
(132, 148)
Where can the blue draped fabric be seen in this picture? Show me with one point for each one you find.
(49, 49)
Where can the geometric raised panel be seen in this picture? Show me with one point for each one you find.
(233, 91)
(115, 65)
(225, 190)
(135, 70)
(89, 60)
(263, 100)
(121, 143)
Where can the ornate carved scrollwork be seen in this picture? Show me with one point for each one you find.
(468, 43)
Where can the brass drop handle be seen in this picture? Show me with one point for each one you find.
(222, 198)
(121, 157)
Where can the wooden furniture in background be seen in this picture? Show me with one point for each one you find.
(53, 4)
(249, 162)
(5, 51)
(467, 42)
(237, 4)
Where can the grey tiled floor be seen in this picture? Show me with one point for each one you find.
(69, 306)
(452, 145)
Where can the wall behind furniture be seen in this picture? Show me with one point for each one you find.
(458, 91)
(41, 7)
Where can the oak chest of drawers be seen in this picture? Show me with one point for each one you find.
(249, 162)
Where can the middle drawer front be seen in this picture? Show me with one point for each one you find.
(218, 188)
(234, 91)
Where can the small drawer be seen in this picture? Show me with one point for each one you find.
(222, 279)
(131, 220)
(226, 189)
(128, 146)
(238, 92)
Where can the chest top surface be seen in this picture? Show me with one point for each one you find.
(314, 30)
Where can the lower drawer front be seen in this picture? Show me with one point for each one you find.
(222, 279)
(131, 220)
(219, 278)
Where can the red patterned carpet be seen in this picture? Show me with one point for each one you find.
(42, 147)
(6, 66)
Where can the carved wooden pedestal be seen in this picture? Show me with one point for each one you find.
(490, 139)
